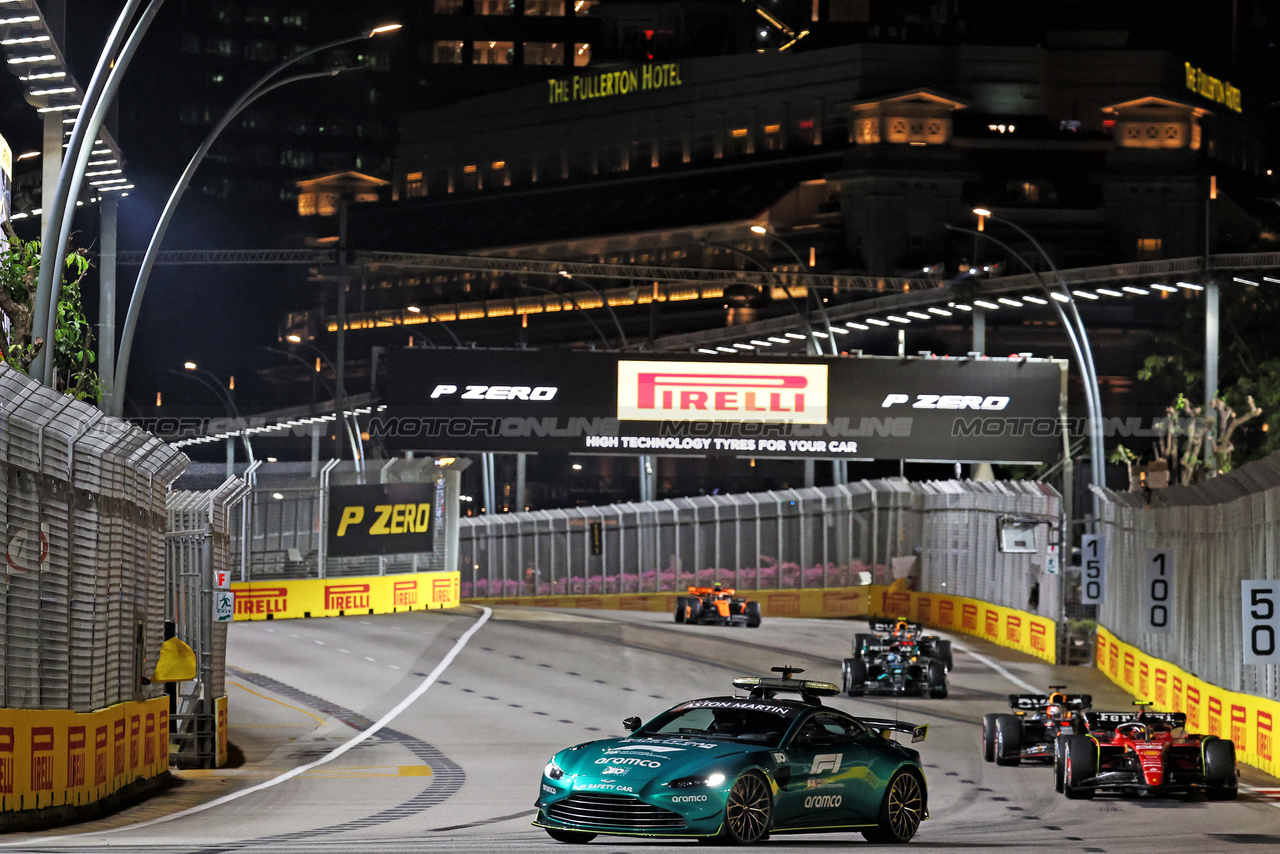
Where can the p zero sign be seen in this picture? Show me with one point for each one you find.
(385, 519)
(945, 410)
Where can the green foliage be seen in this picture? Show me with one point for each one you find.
(73, 356)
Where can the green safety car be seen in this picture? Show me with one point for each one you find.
(740, 768)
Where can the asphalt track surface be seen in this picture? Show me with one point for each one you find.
(351, 745)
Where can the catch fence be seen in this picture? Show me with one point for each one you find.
(1223, 531)
(944, 533)
(83, 516)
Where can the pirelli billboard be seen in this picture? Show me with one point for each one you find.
(935, 409)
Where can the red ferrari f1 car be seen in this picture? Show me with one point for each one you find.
(1144, 753)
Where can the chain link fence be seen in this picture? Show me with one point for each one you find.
(1224, 531)
(83, 516)
(199, 547)
(945, 533)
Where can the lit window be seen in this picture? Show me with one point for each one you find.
(581, 54)
(447, 53)
(546, 8)
(493, 53)
(738, 133)
(1150, 248)
(446, 7)
(495, 7)
(469, 169)
(543, 53)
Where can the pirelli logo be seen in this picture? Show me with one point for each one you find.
(76, 755)
(1039, 640)
(1013, 630)
(346, 596)
(1215, 716)
(404, 594)
(262, 600)
(1266, 735)
(1239, 724)
(722, 391)
(1144, 679)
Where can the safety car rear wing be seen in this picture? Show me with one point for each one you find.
(1040, 702)
(918, 731)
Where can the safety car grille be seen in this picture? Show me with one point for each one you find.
(601, 810)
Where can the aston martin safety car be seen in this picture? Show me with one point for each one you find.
(1029, 733)
(717, 606)
(740, 768)
(894, 664)
(1144, 752)
(906, 633)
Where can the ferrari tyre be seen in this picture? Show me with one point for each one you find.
(900, 812)
(989, 736)
(1220, 769)
(573, 837)
(1080, 762)
(682, 608)
(1008, 740)
(937, 679)
(752, 610)
(748, 810)
(855, 676)
(942, 652)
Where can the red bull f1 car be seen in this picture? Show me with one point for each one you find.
(717, 606)
(1029, 733)
(1147, 753)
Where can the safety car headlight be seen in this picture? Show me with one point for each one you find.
(553, 771)
(697, 781)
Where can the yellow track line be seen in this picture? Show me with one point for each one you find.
(274, 700)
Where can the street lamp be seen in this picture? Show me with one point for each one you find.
(339, 406)
(811, 339)
(573, 300)
(417, 309)
(566, 274)
(259, 88)
(206, 378)
(1083, 352)
(351, 436)
(822, 311)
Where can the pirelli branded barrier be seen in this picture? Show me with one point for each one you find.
(337, 597)
(1251, 722)
(815, 602)
(1030, 633)
(54, 758)
(1025, 632)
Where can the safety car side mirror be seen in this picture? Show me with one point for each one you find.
(631, 724)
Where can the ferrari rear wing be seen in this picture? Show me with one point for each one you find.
(1110, 720)
(917, 731)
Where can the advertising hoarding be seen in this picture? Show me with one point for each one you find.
(966, 410)
(383, 519)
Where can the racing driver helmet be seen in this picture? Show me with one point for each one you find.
(1057, 707)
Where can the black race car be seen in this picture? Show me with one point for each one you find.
(1030, 732)
(893, 667)
(908, 634)
(1146, 753)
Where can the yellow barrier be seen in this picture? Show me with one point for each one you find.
(1026, 632)
(336, 597)
(1029, 633)
(64, 758)
(1247, 720)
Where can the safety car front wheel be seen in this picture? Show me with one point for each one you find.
(748, 810)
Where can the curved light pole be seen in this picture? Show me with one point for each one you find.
(822, 310)
(417, 309)
(573, 300)
(812, 338)
(261, 87)
(1084, 354)
(193, 371)
(351, 437)
(339, 411)
(412, 332)
(98, 97)
(622, 335)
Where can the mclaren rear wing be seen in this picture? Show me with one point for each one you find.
(918, 732)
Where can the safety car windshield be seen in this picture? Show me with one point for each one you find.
(747, 721)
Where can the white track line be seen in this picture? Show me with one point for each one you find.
(998, 668)
(302, 769)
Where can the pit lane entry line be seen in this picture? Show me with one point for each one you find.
(998, 668)
(302, 769)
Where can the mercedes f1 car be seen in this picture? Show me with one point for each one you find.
(1031, 731)
(717, 606)
(910, 635)
(1144, 753)
(895, 665)
(739, 768)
